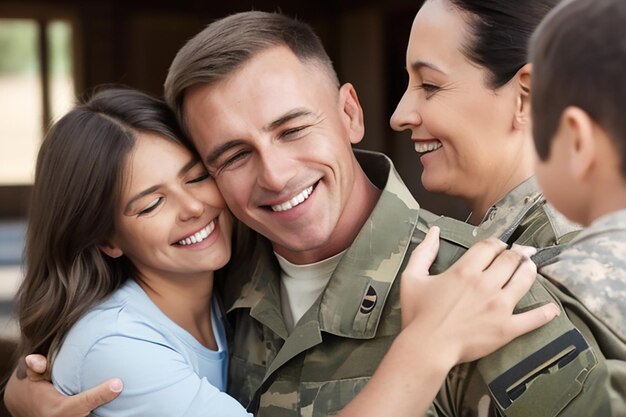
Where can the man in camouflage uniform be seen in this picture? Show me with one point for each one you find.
(317, 367)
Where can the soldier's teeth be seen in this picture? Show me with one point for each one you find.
(299, 199)
(199, 236)
(427, 146)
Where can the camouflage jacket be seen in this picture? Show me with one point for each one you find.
(555, 371)
(589, 277)
(337, 345)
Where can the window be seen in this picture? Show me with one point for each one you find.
(37, 85)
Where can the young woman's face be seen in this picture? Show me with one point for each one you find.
(458, 124)
(172, 220)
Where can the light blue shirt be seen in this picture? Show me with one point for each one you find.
(165, 370)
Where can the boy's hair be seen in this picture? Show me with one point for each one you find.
(579, 58)
(226, 44)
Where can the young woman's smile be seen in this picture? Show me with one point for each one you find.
(175, 220)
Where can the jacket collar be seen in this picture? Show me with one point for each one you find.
(505, 215)
(352, 303)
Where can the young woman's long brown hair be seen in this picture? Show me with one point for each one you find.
(78, 181)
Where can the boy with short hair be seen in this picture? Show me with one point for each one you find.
(578, 97)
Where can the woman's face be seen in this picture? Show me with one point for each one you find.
(459, 125)
(172, 220)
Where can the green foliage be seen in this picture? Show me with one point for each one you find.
(60, 47)
(18, 46)
(19, 50)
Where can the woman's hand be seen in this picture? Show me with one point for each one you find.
(467, 311)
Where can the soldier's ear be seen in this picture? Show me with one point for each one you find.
(522, 108)
(351, 112)
(579, 130)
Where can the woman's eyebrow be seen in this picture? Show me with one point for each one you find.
(419, 64)
(188, 166)
(154, 188)
(140, 195)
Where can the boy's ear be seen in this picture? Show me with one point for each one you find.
(110, 249)
(582, 146)
(522, 108)
(352, 113)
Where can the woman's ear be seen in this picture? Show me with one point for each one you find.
(523, 80)
(352, 113)
(111, 250)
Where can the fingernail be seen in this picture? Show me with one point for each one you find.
(116, 385)
(29, 361)
(32, 362)
(555, 310)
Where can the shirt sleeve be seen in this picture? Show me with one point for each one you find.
(158, 381)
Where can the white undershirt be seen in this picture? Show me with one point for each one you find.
(300, 285)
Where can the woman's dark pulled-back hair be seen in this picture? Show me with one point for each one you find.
(78, 181)
(579, 57)
(500, 31)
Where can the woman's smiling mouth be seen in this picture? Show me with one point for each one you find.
(198, 236)
(427, 146)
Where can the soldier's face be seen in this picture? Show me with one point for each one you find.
(460, 126)
(277, 135)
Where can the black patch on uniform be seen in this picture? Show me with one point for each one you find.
(509, 386)
(369, 301)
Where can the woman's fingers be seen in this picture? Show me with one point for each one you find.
(415, 272)
(479, 257)
(506, 266)
(528, 321)
(424, 254)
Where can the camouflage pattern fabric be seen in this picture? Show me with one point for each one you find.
(585, 386)
(335, 348)
(589, 277)
(337, 345)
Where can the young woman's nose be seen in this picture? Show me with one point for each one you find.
(191, 206)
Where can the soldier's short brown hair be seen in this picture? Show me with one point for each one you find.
(228, 43)
(579, 58)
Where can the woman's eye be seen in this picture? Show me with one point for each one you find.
(199, 178)
(150, 207)
(429, 88)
